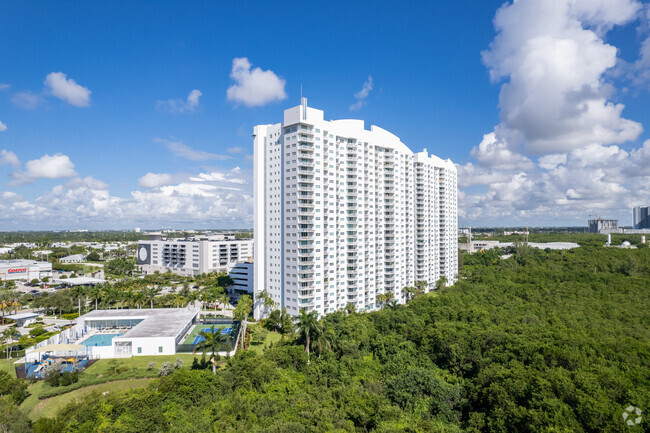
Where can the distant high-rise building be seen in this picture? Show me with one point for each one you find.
(603, 226)
(641, 215)
(344, 214)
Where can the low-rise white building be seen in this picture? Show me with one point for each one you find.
(75, 258)
(126, 333)
(22, 269)
(193, 256)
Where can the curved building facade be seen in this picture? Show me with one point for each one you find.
(344, 214)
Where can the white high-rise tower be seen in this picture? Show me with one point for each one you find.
(343, 214)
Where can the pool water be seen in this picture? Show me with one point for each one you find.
(100, 340)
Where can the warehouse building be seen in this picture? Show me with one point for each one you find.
(24, 270)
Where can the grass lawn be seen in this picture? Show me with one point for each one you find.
(104, 366)
(8, 366)
(138, 365)
(271, 337)
(50, 407)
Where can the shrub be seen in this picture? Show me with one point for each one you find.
(179, 363)
(39, 330)
(70, 316)
(68, 378)
(166, 369)
(152, 365)
(52, 374)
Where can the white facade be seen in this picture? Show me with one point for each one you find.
(194, 256)
(242, 276)
(132, 332)
(343, 214)
(24, 270)
(75, 258)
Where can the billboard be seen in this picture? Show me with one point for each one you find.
(144, 254)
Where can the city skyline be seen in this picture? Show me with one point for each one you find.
(146, 122)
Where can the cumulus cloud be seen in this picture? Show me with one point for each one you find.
(254, 87)
(554, 63)
(66, 89)
(494, 153)
(155, 180)
(3, 127)
(184, 151)
(179, 105)
(26, 100)
(46, 167)
(8, 157)
(362, 94)
(556, 104)
(216, 176)
(470, 175)
(88, 202)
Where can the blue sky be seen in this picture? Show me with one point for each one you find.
(102, 90)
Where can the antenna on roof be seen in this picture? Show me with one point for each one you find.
(303, 102)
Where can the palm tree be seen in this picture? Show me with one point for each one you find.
(243, 309)
(94, 294)
(421, 287)
(150, 293)
(381, 298)
(307, 324)
(409, 292)
(8, 335)
(266, 299)
(441, 283)
(324, 341)
(79, 292)
(138, 298)
(223, 300)
(212, 343)
(178, 300)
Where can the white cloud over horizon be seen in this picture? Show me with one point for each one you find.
(155, 180)
(254, 87)
(556, 155)
(55, 166)
(217, 199)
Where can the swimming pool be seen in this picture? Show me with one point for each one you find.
(100, 340)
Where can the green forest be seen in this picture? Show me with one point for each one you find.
(544, 341)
